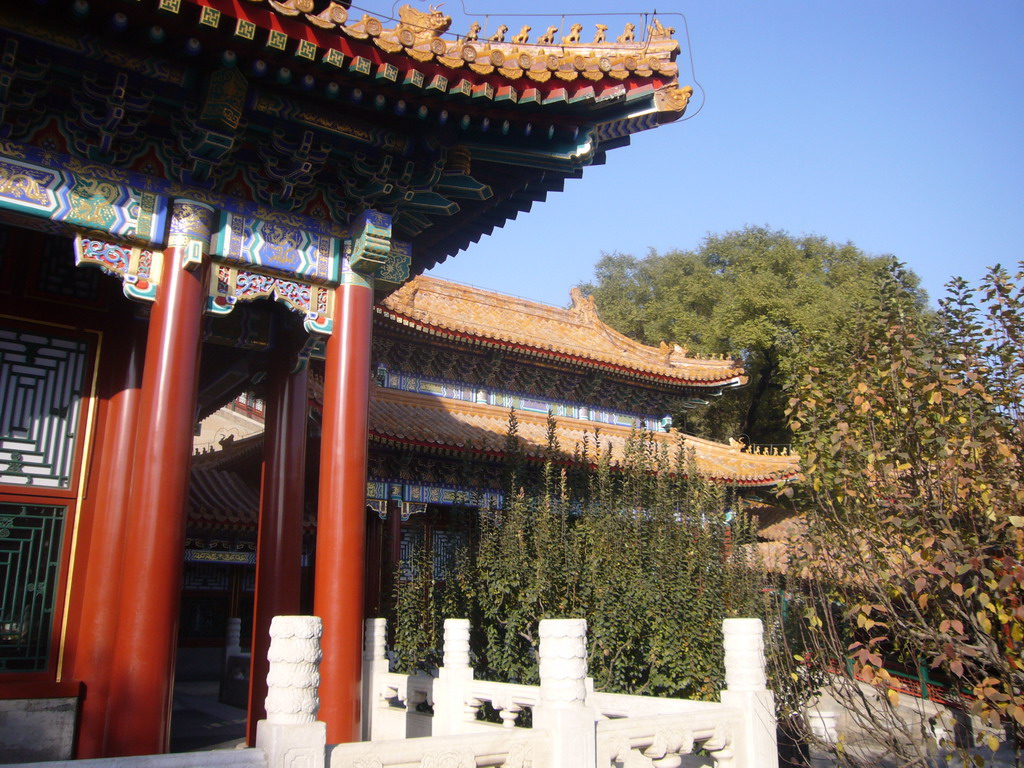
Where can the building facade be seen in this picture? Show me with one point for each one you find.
(450, 364)
(199, 194)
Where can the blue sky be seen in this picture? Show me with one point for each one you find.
(896, 125)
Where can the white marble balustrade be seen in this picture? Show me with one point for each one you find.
(573, 726)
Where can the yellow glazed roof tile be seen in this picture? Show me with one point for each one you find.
(452, 425)
(576, 334)
(565, 54)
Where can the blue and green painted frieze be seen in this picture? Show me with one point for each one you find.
(91, 196)
(122, 221)
(276, 247)
(445, 495)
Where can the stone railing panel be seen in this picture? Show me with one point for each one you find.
(663, 740)
(584, 728)
(612, 706)
(499, 749)
(509, 699)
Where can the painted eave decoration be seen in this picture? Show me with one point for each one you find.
(320, 111)
(306, 114)
(574, 336)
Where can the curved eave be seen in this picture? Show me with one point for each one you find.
(451, 427)
(556, 73)
(575, 116)
(563, 357)
(769, 480)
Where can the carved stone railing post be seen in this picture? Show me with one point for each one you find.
(451, 689)
(456, 643)
(291, 734)
(746, 689)
(563, 693)
(375, 666)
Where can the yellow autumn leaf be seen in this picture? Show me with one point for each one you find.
(984, 622)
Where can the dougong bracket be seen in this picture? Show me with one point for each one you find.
(371, 242)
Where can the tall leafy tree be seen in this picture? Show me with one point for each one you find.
(913, 557)
(779, 302)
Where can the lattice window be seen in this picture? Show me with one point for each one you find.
(446, 546)
(31, 539)
(206, 577)
(41, 380)
(409, 549)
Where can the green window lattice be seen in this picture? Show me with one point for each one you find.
(30, 549)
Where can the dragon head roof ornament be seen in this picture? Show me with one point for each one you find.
(561, 54)
(423, 24)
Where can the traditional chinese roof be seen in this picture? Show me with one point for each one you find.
(454, 426)
(564, 64)
(221, 499)
(221, 493)
(779, 531)
(315, 111)
(576, 335)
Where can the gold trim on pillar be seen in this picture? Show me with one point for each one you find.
(191, 226)
(83, 480)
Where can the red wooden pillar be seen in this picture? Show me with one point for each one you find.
(338, 598)
(279, 546)
(101, 591)
(341, 513)
(374, 571)
(394, 536)
(139, 711)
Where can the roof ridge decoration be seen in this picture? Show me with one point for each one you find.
(565, 55)
(576, 333)
(674, 356)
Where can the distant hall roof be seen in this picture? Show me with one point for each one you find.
(455, 426)
(576, 334)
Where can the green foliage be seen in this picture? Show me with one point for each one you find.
(912, 446)
(638, 546)
(417, 619)
(780, 303)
